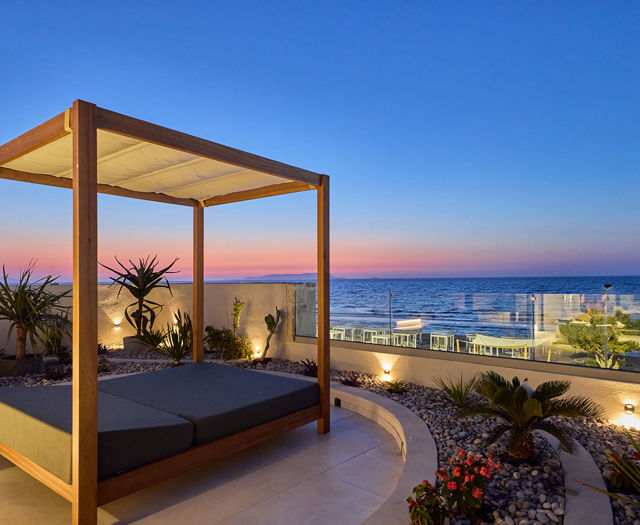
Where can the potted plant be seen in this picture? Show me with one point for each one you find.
(140, 279)
(28, 306)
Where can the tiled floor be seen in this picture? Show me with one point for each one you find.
(299, 478)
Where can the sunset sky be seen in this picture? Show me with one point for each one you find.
(462, 139)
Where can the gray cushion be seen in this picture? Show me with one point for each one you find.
(36, 422)
(219, 400)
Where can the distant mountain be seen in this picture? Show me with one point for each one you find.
(287, 277)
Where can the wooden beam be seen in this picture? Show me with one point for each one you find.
(324, 358)
(36, 471)
(107, 189)
(84, 437)
(198, 284)
(142, 130)
(259, 193)
(124, 484)
(46, 132)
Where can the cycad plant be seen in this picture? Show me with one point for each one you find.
(523, 410)
(140, 280)
(27, 305)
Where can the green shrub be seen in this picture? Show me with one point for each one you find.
(458, 390)
(272, 325)
(237, 348)
(395, 387)
(523, 410)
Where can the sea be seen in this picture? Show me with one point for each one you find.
(499, 306)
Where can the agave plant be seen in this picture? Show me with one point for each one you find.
(272, 325)
(523, 410)
(27, 305)
(140, 280)
(458, 390)
(53, 330)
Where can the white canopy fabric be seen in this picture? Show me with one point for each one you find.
(137, 165)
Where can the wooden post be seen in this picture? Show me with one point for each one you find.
(198, 284)
(85, 316)
(324, 361)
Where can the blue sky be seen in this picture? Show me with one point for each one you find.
(466, 138)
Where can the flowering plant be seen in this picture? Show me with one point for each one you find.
(465, 480)
(428, 507)
(462, 484)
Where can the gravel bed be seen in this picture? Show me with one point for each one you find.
(527, 494)
(597, 436)
(123, 367)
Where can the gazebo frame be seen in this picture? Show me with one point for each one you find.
(84, 120)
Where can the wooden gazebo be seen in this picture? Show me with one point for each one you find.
(93, 150)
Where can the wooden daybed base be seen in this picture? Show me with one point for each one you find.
(143, 477)
(151, 426)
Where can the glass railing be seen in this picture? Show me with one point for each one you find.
(587, 329)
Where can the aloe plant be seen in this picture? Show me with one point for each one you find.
(523, 410)
(458, 390)
(27, 305)
(175, 342)
(140, 280)
(272, 325)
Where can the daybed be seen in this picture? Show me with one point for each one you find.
(148, 417)
(92, 150)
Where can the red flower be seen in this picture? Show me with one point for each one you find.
(457, 472)
(484, 472)
(468, 462)
(477, 493)
(636, 455)
(452, 485)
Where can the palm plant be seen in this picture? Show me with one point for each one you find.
(176, 341)
(458, 390)
(140, 280)
(26, 305)
(523, 410)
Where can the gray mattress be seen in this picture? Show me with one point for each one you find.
(147, 417)
(36, 422)
(219, 400)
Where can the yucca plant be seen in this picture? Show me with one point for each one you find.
(176, 341)
(140, 280)
(458, 390)
(27, 305)
(272, 325)
(523, 410)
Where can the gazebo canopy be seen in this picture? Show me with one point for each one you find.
(145, 161)
(93, 150)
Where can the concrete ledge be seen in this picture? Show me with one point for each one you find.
(414, 440)
(584, 506)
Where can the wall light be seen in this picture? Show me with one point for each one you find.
(387, 374)
(256, 352)
(629, 408)
(116, 324)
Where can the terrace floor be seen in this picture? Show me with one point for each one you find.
(301, 477)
